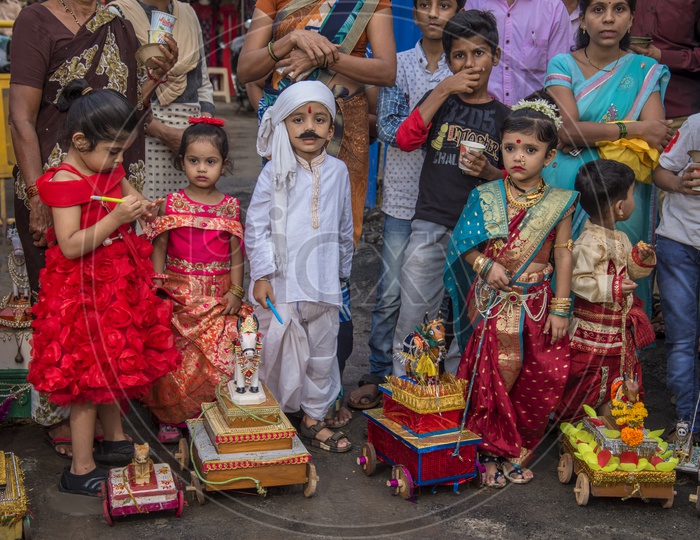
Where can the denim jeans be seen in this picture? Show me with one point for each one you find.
(396, 233)
(678, 267)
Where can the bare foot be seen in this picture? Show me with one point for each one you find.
(341, 419)
(324, 434)
(365, 396)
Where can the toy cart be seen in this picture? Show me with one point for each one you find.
(121, 496)
(14, 516)
(418, 460)
(639, 484)
(257, 468)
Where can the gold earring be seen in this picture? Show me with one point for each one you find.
(583, 29)
(621, 215)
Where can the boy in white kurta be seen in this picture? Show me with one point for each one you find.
(299, 240)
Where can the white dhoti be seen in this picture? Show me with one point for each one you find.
(298, 358)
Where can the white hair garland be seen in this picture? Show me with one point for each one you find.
(541, 106)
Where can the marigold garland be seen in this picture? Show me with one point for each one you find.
(627, 414)
(632, 436)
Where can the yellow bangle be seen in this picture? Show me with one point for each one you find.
(237, 290)
(569, 244)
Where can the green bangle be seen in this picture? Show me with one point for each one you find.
(271, 52)
(559, 314)
(623, 129)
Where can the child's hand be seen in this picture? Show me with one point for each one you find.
(644, 251)
(262, 290)
(128, 211)
(498, 277)
(628, 286)
(231, 303)
(557, 326)
(479, 165)
(463, 81)
(690, 180)
(150, 209)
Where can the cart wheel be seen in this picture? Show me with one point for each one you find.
(180, 503)
(401, 480)
(582, 489)
(27, 528)
(311, 480)
(105, 512)
(183, 454)
(566, 468)
(368, 459)
(197, 485)
(668, 503)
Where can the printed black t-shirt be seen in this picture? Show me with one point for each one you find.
(444, 188)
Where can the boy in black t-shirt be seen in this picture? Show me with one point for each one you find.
(458, 109)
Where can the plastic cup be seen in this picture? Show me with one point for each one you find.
(163, 21)
(641, 41)
(157, 36)
(695, 158)
(472, 147)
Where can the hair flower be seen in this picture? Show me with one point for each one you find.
(210, 120)
(543, 107)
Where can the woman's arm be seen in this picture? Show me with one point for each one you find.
(159, 74)
(26, 102)
(652, 127)
(255, 60)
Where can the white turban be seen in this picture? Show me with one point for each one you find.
(273, 142)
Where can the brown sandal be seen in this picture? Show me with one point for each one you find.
(308, 436)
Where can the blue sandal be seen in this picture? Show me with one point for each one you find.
(516, 474)
(497, 476)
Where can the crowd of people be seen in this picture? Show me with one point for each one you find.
(519, 195)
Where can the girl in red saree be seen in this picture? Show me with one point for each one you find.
(514, 233)
(101, 335)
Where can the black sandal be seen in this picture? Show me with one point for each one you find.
(308, 436)
(88, 484)
(114, 453)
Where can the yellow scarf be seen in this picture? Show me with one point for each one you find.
(185, 35)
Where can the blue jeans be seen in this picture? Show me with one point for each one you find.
(678, 267)
(396, 233)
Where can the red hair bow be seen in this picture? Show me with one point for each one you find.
(218, 122)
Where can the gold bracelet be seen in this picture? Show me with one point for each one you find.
(569, 244)
(236, 290)
(271, 52)
(32, 191)
(479, 264)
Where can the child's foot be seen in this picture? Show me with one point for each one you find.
(169, 434)
(493, 477)
(515, 473)
(82, 484)
(315, 433)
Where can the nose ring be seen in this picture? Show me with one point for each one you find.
(522, 160)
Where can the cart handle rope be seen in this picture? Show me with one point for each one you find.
(221, 396)
(637, 489)
(261, 490)
(486, 314)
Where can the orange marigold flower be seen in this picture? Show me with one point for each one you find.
(632, 436)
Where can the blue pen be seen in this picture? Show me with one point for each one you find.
(274, 311)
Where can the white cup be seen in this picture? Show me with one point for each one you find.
(695, 157)
(163, 21)
(472, 146)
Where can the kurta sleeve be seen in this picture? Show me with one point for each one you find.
(588, 282)
(258, 235)
(638, 268)
(346, 229)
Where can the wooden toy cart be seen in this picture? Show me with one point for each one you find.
(15, 523)
(639, 484)
(418, 461)
(121, 496)
(258, 461)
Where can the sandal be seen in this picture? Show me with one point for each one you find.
(370, 400)
(308, 436)
(169, 434)
(515, 473)
(59, 442)
(88, 484)
(497, 475)
(114, 453)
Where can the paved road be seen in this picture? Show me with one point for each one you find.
(348, 504)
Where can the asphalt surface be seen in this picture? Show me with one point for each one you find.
(347, 503)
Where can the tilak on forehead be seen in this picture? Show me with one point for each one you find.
(309, 109)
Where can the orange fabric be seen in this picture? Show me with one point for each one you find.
(271, 7)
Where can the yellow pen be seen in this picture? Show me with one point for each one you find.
(106, 199)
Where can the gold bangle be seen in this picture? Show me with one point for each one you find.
(569, 244)
(32, 191)
(236, 290)
(271, 52)
(478, 264)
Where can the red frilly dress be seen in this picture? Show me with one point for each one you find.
(100, 332)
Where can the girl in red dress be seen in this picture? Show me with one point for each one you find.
(100, 332)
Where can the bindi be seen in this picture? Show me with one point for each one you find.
(517, 141)
(309, 109)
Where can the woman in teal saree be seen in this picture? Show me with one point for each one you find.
(621, 99)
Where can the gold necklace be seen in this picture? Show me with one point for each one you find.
(619, 55)
(69, 10)
(532, 197)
